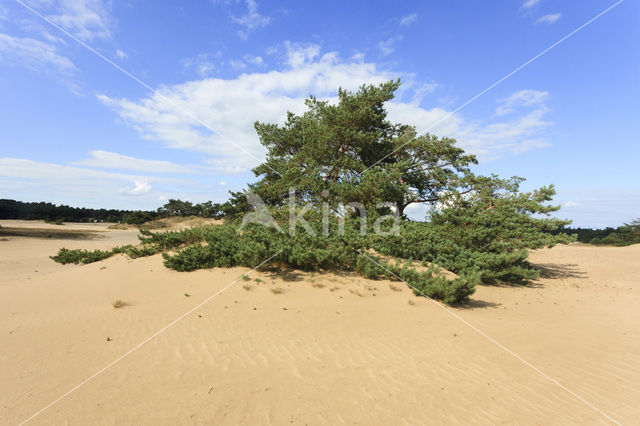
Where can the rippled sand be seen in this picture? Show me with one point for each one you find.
(329, 349)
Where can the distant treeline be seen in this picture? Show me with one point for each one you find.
(624, 235)
(12, 209)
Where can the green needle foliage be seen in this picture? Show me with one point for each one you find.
(480, 227)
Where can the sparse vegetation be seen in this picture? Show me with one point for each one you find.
(119, 304)
(247, 287)
(482, 230)
(277, 290)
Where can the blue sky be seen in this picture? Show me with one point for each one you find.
(79, 131)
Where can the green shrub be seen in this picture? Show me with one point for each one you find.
(66, 256)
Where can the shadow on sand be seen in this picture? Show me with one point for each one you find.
(559, 270)
(475, 304)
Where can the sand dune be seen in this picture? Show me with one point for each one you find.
(329, 349)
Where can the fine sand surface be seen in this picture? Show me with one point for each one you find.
(328, 349)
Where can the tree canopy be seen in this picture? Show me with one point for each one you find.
(354, 153)
(334, 154)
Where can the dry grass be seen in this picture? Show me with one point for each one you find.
(356, 292)
(277, 290)
(318, 285)
(119, 304)
(394, 287)
(411, 302)
(246, 287)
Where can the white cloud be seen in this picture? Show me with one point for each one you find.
(549, 19)
(488, 141)
(255, 60)
(85, 19)
(300, 54)
(251, 20)
(120, 54)
(247, 60)
(140, 188)
(202, 64)
(231, 106)
(223, 183)
(387, 47)
(598, 207)
(237, 64)
(34, 53)
(530, 3)
(82, 186)
(521, 98)
(112, 160)
(408, 20)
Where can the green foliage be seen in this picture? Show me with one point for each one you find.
(481, 227)
(351, 151)
(137, 218)
(66, 256)
(624, 235)
(483, 232)
(12, 209)
(225, 246)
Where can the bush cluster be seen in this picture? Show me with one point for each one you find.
(227, 245)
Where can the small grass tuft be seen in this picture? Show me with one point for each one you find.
(245, 278)
(246, 287)
(119, 304)
(318, 285)
(277, 290)
(394, 287)
(356, 292)
(411, 302)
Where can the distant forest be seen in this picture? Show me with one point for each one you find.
(12, 209)
(624, 235)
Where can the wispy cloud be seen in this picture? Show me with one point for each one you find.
(34, 54)
(112, 160)
(40, 49)
(68, 182)
(251, 20)
(408, 20)
(530, 3)
(521, 98)
(86, 19)
(387, 47)
(548, 19)
(231, 106)
(203, 64)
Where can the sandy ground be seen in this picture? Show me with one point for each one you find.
(329, 349)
